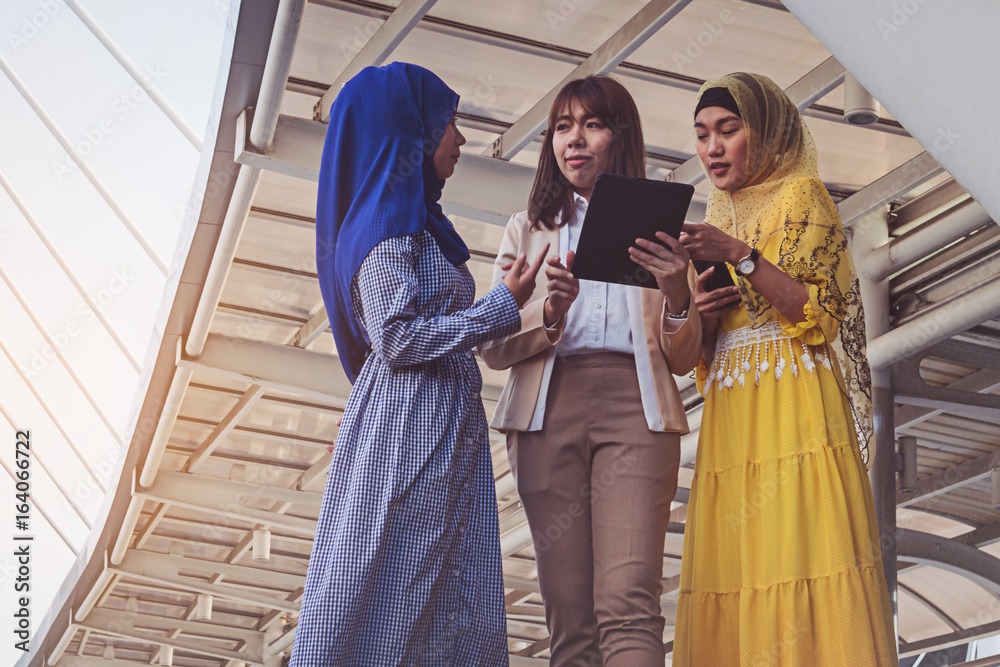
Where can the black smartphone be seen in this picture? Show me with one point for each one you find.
(720, 277)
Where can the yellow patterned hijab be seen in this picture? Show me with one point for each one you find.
(781, 158)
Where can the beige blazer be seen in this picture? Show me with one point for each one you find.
(671, 347)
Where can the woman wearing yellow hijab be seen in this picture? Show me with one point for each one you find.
(781, 555)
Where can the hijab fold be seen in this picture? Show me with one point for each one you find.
(781, 166)
(377, 181)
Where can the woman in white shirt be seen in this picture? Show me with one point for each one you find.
(592, 414)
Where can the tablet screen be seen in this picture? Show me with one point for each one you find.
(622, 209)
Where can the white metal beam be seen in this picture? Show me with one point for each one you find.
(608, 55)
(313, 374)
(298, 147)
(880, 192)
(981, 381)
(260, 132)
(923, 548)
(89, 661)
(63, 644)
(125, 625)
(312, 329)
(129, 522)
(815, 84)
(150, 527)
(165, 421)
(930, 237)
(235, 517)
(165, 570)
(262, 577)
(230, 499)
(397, 26)
(950, 479)
(225, 427)
(276, 68)
(930, 644)
(974, 307)
(315, 473)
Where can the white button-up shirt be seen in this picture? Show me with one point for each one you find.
(598, 321)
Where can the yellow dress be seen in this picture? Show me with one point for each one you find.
(781, 562)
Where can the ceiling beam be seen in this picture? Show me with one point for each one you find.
(977, 566)
(933, 608)
(312, 329)
(888, 188)
(227, 500)
(819, 81)
(224, 427)
(911, 389)
(151, 523)
(313, 374)
(90, 661)
(316, 375)
(981, 381)
(982, 536)
(950, 479)
(910, 649)
(298, 147)
(125, 625)
(388, 36)
(946, 194)
(978, 304)
(914, 246)
(608, 55)
(165, 570)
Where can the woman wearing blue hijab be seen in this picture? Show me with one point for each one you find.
(405, 566)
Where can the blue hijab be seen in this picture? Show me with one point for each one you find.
(376, 181)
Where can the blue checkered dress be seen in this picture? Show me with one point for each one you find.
(405, 567)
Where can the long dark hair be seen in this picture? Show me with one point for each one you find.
(605, 98)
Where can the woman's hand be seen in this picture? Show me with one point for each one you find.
(703, 241)
(669, 265)
(329, 448)
(563, 288)
(713, 305)
(520, 279)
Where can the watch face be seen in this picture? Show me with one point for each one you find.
(746, 266)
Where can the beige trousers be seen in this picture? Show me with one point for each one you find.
(596, 485)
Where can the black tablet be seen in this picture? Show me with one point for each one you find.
(621, 210)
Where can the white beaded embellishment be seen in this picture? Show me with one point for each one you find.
(747, 349)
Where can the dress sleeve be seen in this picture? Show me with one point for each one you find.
(814, 252)
(533, 337)
(386, 293)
